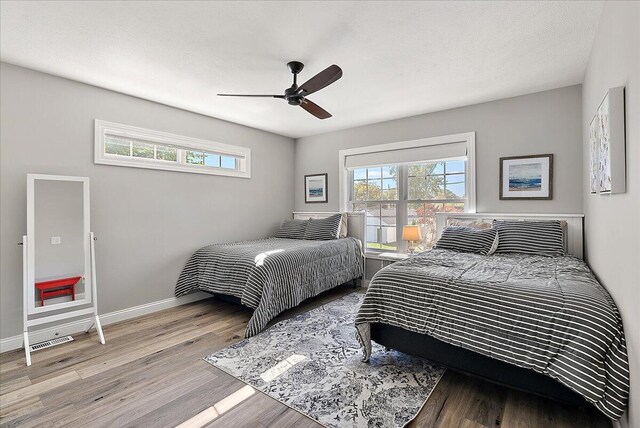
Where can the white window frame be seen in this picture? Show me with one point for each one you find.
(470, 169)
(182, 143)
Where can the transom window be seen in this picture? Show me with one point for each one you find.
(215, 160)
(125, 145)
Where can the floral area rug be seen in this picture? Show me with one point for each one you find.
(312, 363)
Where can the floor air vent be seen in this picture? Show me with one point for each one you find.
(50, 343)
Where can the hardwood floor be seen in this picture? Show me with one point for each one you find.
(150, 373)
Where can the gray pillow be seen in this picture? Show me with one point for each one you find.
(468, 240)
(324, 228)
(292, 229)
(543, 238)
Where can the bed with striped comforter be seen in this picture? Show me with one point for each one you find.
(548, 314)
(273, 274)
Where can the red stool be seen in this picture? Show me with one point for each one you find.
(58, 287)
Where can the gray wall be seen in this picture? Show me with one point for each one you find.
(147, 222)
(58, 212)
(544, 122)
(613, 221)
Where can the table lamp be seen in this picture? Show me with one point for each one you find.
(412, 234)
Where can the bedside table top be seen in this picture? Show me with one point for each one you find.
(394, 256)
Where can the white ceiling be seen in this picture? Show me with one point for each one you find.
(399, 58)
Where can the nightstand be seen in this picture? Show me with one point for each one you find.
(389, 258)
(376, 261)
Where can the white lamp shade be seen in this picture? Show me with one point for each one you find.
(411, 233)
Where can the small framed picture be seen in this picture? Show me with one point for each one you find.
(526, 177)
(315, 188)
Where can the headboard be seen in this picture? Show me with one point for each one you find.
(573, 235)
(355, 222)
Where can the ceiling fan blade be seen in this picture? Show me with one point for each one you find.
(321, 80)
(254, 96)
(315, 109)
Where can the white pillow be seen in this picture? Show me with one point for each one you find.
(342, 233)
(474, 223)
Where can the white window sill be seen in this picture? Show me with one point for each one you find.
(386, 256)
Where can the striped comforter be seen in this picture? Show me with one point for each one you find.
(548, 314)
(273, 274)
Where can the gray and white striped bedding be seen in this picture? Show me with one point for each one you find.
(273, 274)
(548, 314)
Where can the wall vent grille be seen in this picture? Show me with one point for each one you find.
(50, 343)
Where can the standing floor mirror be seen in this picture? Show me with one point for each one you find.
(58, 255)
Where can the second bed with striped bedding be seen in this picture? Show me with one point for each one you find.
(273, 274)
(548, 314)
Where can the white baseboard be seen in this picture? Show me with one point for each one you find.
(70, 328)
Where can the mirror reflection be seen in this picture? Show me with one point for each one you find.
(59, 243)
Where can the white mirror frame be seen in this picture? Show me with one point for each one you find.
(32, 309)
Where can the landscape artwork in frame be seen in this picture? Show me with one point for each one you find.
(526, 177)
(315, 188)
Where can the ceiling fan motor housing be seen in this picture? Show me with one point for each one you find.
(292, 94)
(296, 100)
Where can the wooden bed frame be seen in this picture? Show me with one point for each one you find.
(476, 364)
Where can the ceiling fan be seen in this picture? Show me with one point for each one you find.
(297, 95)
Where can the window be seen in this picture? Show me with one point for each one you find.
(216, 160)
(434, 187)
(406, 192)
(125, 145)
(375, 191)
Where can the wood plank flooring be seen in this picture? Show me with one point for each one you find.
(150, 373)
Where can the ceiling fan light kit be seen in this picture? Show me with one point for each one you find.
(296, 95)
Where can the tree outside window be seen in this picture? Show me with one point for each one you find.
(429, 188)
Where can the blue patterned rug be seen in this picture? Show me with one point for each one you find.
(312, 364)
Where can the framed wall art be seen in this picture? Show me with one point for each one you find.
(315, 188)
(526, 177)
(607, 173)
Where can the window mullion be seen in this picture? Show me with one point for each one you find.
(352, 188)
(366, 187)
(401, 207)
